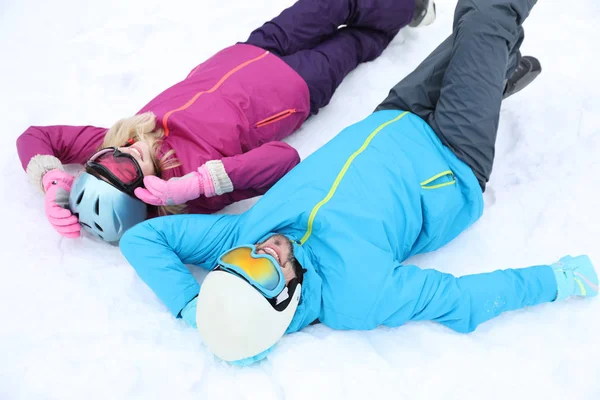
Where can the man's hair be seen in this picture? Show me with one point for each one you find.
(298, 270)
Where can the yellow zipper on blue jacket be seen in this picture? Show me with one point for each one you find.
(425, 184)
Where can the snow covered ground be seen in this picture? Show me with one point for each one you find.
(77, 323)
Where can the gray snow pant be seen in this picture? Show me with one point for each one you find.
(458, 88)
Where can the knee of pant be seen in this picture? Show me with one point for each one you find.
(488, 16)
(480, 25)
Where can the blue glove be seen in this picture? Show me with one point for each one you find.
(189, 313)
(575, 276)
(251, 360)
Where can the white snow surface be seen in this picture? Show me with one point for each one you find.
(76, 322)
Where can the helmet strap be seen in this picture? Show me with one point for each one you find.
(283, 296)
(286, 295)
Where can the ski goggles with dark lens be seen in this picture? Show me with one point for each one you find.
(120, 169)
(260, 270)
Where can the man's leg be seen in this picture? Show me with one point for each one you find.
(325, 67)
(459, 88)
(465, 302)
(309, 22)
(419, 92)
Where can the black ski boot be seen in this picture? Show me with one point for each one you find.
(424, 13)
(527, 70)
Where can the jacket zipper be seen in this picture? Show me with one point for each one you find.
(190, 102)
(340, 176)
(275, 118)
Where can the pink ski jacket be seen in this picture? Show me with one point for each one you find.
(235, 107)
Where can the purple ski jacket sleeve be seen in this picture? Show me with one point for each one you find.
(261, 167)
(70, 144)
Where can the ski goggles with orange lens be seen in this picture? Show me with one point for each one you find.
(260, 270)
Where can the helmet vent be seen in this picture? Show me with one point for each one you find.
(117, 222)
(80, 197)
(99, 227)
(97, 207)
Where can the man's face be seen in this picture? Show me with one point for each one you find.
(282, 250)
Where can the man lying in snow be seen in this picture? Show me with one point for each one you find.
(327, 242)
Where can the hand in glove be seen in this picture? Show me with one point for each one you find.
(189, 312)
(175, 191)
(57, 185)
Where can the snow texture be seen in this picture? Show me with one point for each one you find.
(77, 323)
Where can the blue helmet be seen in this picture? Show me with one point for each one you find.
(102, 209)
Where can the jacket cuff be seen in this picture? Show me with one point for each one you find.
(38, 166)
(219, 176)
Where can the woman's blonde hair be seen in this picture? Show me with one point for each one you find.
(142, 128)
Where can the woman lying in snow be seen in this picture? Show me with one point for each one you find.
(215, 137)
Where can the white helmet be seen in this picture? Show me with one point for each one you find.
(236, 321)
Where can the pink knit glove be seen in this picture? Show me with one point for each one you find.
(176, 191)
(57, 185)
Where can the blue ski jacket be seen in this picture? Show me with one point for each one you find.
(381, 191)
